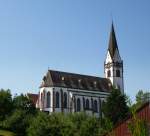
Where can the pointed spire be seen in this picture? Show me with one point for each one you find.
(112, 42)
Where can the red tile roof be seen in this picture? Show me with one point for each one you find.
(33, 97)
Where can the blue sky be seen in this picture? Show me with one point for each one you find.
(72, 36)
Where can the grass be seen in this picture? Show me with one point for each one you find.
(6, 133)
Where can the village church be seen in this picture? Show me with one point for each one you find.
(70, 92)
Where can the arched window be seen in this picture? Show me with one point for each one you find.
(95, 105)
(108, 73)
(65, 100)
(87, 104)
(57, 100)
(83, 103)
(117, 73)
(78, 105)
(48, 100)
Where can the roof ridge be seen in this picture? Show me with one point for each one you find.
(76, 74)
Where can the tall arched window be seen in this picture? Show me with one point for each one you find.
(108, 73)
(65, 100)
(48, 100)
(78, 105)
(117, 73)
(87, 104)
(57, 100)
(83, 103)
(95, 105)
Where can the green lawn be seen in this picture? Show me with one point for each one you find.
(6, 133)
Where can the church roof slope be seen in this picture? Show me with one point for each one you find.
(76, 81)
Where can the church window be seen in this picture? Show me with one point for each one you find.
(117, 73)
(78, 105)
(57, 100)
(108, 73)
(48, 100)
(95, 105)
(87, 104)
(65, 100)
(83, 103)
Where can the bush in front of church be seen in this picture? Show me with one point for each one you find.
(77, 124)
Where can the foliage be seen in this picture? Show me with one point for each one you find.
(59, 124)
(115, 108)
(137, 126)
(5, 103)
(23, 102)
(18, 122)
(6, 133)
(106, 127)
(141, 97)
(22, 111)
(50, 125)
(88, 126)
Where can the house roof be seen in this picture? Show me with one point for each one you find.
(138, 111)
(75, 81)
(143, 112)
(112, 42)
(33, 97)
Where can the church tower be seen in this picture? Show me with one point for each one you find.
(113, 65)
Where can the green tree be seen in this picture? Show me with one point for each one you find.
(6, 105)
(90, 127)
(22, 113)
(137, 126)
(141, 97)
(51, 125)
(115, 108)
(23, 102)
(106, 127)
(18, 122)
(58, 124)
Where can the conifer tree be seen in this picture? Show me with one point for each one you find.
(115, 108)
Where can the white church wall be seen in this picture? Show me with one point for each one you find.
(108, 58)
(77, 93)
(116, 81)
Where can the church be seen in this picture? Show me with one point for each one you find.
(70, 92)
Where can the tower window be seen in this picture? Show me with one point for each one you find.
(108, 73)
(117, 73)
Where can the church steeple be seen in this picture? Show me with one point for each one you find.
(112, 42)
(113, 63)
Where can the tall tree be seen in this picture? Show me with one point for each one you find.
(142, 97)
(115, 108)
(5, 103)
(22, 102)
